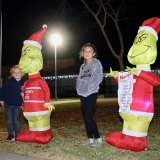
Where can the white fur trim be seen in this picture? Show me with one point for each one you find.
(33, 87)
(144, 68)
(145, 114)
(33, 43)
(150, 29)
(34, 101)
(133, 133)
(45, 26)
(35, 113)
(40, 129)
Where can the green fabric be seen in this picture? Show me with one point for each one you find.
(39, 121)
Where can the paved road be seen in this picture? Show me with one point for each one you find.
(14, 156)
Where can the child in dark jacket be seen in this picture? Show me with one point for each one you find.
(11, 99)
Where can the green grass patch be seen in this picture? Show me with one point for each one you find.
(69, 135)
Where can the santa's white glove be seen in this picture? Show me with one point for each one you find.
(49, 106)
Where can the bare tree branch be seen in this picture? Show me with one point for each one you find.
(109, 9)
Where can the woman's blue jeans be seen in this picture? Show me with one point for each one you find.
(13, 120)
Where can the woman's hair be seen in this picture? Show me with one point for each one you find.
(87, 45)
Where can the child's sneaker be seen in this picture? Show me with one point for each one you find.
(10, 139)
(98, 141)
(90, 141)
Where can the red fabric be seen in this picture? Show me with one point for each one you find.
(34, 99)
(120, 140)
(37, 36)
(142, 101)
(36, 94)
(153, 23)
(116, 80)
(42, 137)
(142, 96)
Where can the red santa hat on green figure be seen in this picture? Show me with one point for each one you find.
(152, 25)
(36, 38)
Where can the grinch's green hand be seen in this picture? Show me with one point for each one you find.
(49, 106)
(134, 71)
(113, 73)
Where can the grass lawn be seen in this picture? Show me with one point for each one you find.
(69, 135)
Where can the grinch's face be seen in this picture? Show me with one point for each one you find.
(31, 60)
(143, 50)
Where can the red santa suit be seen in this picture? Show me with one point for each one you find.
(36, 94)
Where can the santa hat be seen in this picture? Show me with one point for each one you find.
(152, 25)
(36, 38)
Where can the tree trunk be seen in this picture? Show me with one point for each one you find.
(121, 65)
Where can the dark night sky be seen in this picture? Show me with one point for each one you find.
(21, 18)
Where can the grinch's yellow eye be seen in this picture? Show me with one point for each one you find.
(26, 50)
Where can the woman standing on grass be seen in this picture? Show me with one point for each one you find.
(87, 86)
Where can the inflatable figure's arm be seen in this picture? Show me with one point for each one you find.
(49, 106)
(114, 74)
(150, 78)
(46, 92)
(134, 71)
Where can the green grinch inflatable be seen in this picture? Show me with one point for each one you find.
(135, 90)
(35, 92)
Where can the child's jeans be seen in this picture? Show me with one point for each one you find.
(13, 120)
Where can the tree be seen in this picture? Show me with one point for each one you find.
(114, 13)
(102, 10)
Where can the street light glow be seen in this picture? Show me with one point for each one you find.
(56, 39)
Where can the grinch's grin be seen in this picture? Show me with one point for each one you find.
(148, 47)
(28, 64)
